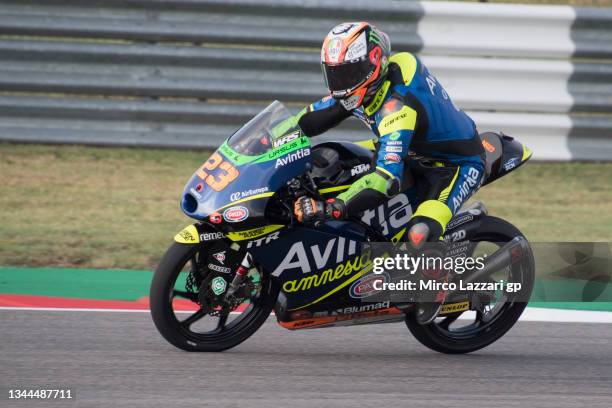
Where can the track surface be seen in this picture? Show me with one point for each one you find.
(119, 360)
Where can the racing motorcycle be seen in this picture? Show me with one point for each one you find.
(247, 256)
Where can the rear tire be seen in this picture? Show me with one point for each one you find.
(436, 337)
(170, 327)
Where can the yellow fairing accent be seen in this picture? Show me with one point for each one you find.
(444, 194)
(378, 99)
(526, 153)
(435, 210)
(407, 63)
(189, 235)
(334, 189)
(255, 197)
(368, 144)
(399, 235)
(342, 285)
(253, 233)
(404, 119)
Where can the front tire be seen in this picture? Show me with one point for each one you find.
(439, 335)
(178, 332)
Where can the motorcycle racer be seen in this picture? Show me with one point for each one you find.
(406, 107)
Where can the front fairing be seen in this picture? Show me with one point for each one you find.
(242, 203)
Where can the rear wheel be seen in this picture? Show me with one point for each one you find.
(465, 332)
(189, 313)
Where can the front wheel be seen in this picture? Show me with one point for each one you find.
(465, 332)
(188, 313)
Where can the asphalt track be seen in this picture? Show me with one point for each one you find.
(119, 360)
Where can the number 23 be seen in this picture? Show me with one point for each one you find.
(223, 178)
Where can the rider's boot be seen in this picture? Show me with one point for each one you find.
(431, 301)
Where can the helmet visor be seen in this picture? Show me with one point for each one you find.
(348, 76)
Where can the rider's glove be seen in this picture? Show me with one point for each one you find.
(307, 209)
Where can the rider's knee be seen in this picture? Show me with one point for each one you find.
(422, 229)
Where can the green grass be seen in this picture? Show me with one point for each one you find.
(119, 207)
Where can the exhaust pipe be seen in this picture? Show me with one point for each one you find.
(515, 251)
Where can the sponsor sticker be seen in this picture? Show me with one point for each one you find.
(187, 236)
(291, 157)
(365, 308)
(396, 149)
(455, 222)
(215, 218)
(364, 286)
(358, 48)
(455, 307)
(211, 236)
(238, 195)
(263, 241)
(220, 257)
(471, 181)
(218, 268)
(195, 193)
(392, 158)
(286, 139)
(510, 164)
(333, 49)
(236, 214)
(218, 285)
(360, 168)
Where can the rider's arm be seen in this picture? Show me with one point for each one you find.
(396, 126)
(314, 119)
(321, 116)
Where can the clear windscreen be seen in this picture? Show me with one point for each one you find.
(259, 134)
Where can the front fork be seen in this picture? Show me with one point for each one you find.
(241, 273)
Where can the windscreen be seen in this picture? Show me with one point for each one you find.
(258, 135)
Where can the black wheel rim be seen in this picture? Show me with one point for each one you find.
(455, 328)
(217, 328)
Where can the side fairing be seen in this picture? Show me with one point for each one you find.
(316, 268)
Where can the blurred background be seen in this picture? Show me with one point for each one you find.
(107, 108)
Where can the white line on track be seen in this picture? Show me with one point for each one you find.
(531, 314)
(79, 309)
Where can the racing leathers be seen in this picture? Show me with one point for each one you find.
(410, 112)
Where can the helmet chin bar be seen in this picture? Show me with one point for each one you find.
(353, 101)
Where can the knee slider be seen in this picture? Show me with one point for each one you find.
(423, 229)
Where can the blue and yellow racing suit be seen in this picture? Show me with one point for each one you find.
(411, 111)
